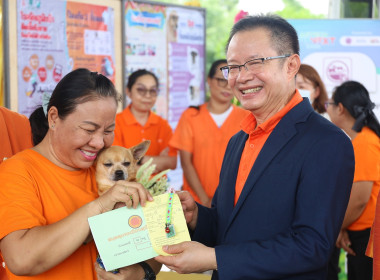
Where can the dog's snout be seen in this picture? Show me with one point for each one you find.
(119, 175)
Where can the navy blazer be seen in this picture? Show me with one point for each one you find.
(289, 214)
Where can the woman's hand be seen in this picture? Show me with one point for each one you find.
(130, 193)
(344, 242)
(132, 272)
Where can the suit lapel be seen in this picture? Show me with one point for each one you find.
(280, 136)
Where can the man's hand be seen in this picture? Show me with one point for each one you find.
(189, 257)
(190, 208)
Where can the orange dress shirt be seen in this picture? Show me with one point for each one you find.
(256, 140)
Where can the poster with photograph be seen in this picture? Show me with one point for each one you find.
(55, 37)
(186, 60)
(170, 42)
(145, 46)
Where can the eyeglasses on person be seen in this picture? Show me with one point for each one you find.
(143, 92)
(221, 82)
(327, 103)
(253, 65)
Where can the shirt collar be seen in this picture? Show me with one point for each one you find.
(249, 124)
(130, 118)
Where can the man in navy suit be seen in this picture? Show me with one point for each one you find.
(286, 176)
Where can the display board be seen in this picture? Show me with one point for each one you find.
(341, 50)
(54, 37)
(168, 40)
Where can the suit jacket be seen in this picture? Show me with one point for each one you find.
(288, 216)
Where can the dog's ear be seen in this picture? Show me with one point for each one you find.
(139, 150)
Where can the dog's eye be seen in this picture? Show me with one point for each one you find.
(126, 164)
(107, 164)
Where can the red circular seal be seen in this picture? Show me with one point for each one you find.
(134, 221)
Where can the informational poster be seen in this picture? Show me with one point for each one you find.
(186, 59)
(169, 41)
(341, 50)
(145, 46)
(55, 37)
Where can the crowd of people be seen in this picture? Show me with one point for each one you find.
(272, 189)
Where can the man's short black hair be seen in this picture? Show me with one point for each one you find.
(283, 35)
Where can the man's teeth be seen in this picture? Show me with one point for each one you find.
(251, 90)
(88, 153)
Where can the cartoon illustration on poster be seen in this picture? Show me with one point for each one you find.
(342, 50)
(52, 43)
(145, 46)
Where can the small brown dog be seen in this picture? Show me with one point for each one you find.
(118, 163)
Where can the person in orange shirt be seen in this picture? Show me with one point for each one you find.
(138, 122)
(202, 135)
(351, 109)
(48, 192)
(286, 177)
(15, 136)
(15, 133)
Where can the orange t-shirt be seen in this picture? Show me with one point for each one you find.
(367, 168)
(35, 192)
(256, 140)
(128, 132)
(15, 133)
(198, 134)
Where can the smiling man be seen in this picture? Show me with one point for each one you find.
(286, 176)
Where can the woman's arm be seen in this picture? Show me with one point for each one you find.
(360, 194)
(38, 249)
(162, 161)
(192, 177)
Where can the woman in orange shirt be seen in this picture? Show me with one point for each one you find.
(138, 122)
(352, 110)
(202, 135)
(48, 192)
(310, 85)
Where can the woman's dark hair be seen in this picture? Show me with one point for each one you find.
(77, 87)
(214, 67)
(355, 98)
(312, 75)
(137, 74)
(283, 35)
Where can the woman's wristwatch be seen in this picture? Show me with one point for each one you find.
(149, 273)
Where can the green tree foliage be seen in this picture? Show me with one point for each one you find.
(293, 9)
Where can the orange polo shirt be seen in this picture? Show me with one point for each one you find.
(367, 168)
(129, 132)
(256, 140)
(198, 134)
(15, 133)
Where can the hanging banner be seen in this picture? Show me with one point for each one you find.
(341, 50)
(55, 37)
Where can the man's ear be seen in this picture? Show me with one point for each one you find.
(293, 65)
